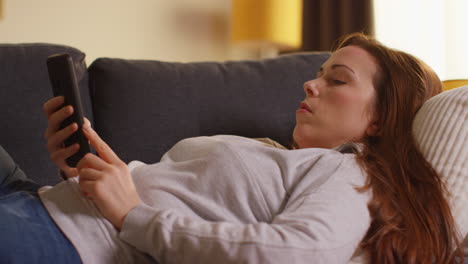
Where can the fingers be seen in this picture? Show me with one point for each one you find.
(89, 174)
(56, 118)
(90, 170)
(86, 122)
(55, 140)
(64, 153)
(52, 105)
(59, 155)
(55, 136)
(91, 161)
(89, 182)
(70, 172)
(104, 151)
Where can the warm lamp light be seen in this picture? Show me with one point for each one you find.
(270, 25)
(450, 84)
(1, 9)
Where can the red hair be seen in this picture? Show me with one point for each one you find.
(411, 218)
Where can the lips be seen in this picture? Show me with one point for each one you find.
(306, 107)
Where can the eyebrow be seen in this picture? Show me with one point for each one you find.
(339, 65)
(342, 65)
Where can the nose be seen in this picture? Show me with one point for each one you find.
(311, 88)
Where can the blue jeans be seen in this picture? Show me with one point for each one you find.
(27, 232)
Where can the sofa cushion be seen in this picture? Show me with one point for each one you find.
(441, 131)
(24, 87)
(142, 108)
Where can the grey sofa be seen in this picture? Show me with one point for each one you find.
(142, 108)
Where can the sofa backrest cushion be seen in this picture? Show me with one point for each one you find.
(24, 87)
(142, 108)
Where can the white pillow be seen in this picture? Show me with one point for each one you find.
(440, 129)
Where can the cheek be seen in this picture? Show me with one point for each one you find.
(343, 98)
(353, 101)
(350, 108)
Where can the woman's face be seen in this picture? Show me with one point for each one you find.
(339, 103)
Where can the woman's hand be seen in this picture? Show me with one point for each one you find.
(107, 180)
(55, 136)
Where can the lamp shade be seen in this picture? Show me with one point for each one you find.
(267, 22)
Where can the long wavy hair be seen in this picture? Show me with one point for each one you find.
(411, 217)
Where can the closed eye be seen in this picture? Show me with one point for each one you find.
(338, 82)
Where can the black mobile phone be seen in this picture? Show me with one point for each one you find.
(64, 83)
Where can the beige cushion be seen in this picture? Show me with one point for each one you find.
(441, 131)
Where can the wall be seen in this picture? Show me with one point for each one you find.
(433, 30)
(456, 39)
(171, 30)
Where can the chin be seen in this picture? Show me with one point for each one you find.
(298, 138)
(302, 139)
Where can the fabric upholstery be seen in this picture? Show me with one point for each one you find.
(24, 87)
(441, 130)
(142, 108)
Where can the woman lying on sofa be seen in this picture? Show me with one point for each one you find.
(353, 180)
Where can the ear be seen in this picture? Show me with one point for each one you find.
(373, 129)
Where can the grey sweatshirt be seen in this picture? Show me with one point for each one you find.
(225, 199)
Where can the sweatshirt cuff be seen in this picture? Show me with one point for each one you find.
(136, 229)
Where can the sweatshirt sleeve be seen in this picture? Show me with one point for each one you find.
(325, 226)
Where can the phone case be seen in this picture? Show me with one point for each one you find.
(63, 80)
